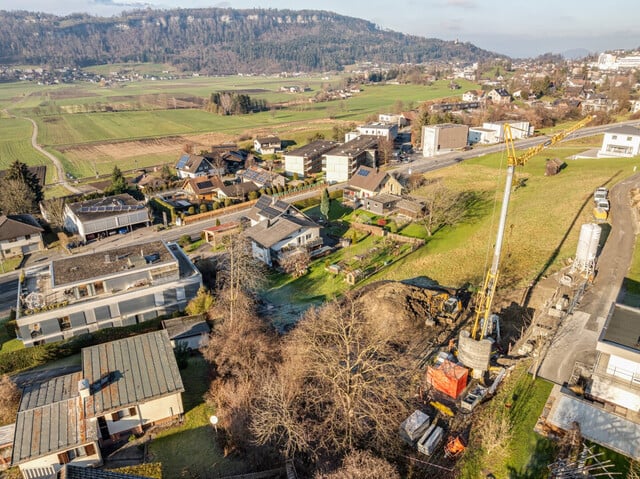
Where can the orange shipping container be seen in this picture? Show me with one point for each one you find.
(448, 378)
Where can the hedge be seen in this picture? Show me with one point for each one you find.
(16, 361)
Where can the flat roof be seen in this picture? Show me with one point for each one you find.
(105, 207)
(130, 371)
(96, 265)
(623, 327)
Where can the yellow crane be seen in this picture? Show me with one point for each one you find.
(485, 297)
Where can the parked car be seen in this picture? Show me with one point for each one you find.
(601, 193)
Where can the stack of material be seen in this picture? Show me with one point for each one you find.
(448, 378)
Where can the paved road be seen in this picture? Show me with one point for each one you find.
(578, 334)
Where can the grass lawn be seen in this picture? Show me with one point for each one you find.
(15, 143)
(631, 283)
(7, 343)
(10, 264)
(190, 450)
(336, 211)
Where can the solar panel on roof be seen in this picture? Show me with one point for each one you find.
(182, 161)
(362, 172)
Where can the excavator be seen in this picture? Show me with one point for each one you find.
(474, 350)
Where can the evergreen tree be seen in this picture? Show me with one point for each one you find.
(118, 182)
(20, 172)
(325, 203)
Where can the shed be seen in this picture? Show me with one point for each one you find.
(6, 445)
(448, 378)
(191, 330)
(354, 276)
(554, 166)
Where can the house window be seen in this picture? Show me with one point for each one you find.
(614, 137)
(65, 323)
(36, 331)
(116, 416)
(28, 237)
(629, 138)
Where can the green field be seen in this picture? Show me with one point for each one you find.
(15, 143)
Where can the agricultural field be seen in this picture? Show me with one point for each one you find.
(157, 118)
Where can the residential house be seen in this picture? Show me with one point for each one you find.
(237, 191)
(381, 204)
(620, 141)
(519, 129)
(268, 145)
(149, 183)
(596, 103)
(202, 188)
(19, 235)
(82, 293)
(341, 162)
(482, 136)
(124, 387)
(190, 331)
(279, 229)
(105, 216)
(307, 160)
(499, 96)
(472, 95)
(262, 178)
(192, 166)
(214, 234)
(369, 181)
(610, 415)
(443, 138)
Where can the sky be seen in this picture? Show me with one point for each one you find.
(517, 28)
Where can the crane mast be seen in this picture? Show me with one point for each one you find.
(486, 295)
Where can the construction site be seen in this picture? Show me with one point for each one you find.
(560, 328)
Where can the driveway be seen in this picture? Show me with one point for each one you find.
(578, 334)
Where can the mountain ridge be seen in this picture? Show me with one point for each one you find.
(218, 40)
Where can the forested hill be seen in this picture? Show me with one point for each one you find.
(217, 40)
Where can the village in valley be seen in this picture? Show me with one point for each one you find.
(397, 270)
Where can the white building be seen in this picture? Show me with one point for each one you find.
(383, 130)
(341, 162)
(307, 160)
(621, 141)
(519, 129)
(19, 235)
(83, 293)
(105, 216)
(482, 136)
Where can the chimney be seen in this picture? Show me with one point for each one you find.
(83, 388)
(107, 259)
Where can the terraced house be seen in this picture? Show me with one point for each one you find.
(84, 293)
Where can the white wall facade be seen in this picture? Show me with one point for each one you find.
(482, 136)
(336, 169)
(21, 245)
(44, 467)
(619, 145)
(162, 408)
(294, 164)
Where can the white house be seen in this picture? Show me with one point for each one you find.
(19, 235)
(278, 228)
(192, 166)
(105, 216)
(443, 138)
(621, 141)
(384, 130)
(483, 136)
(392, 118)
(125, 386)
(267, 145)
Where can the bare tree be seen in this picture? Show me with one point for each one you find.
(54, 208)
(9, 400)
(296, 263)
(385, 148)
(16, 197)
(343, 384)
(362, 465)
(444, 207)
(239, 275)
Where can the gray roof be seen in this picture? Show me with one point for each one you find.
(97, 265)
(6, 434)
(625, 130)
(69, 471)
(314, 149)
(130, 371)
(186, 327)
(623, 327)
(269, 232)
(51, 428)
(384, 198)
(14, 226)
(105, 207)
(56, 389)
(354, 147)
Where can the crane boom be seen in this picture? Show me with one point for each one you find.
(485, 298)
